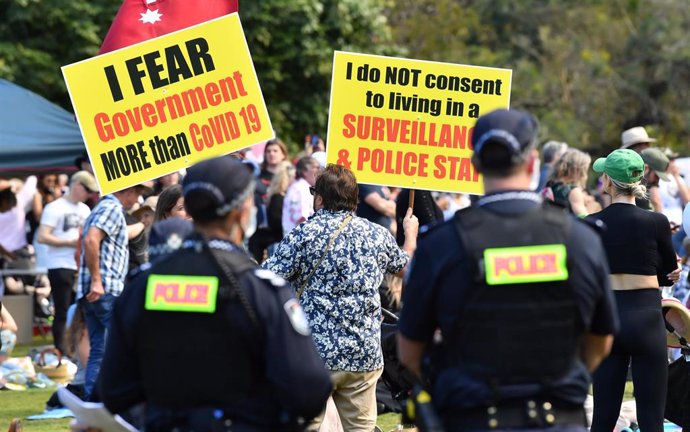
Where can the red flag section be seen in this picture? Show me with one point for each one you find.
(139, 20)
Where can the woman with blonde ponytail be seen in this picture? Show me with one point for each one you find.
(641, 259)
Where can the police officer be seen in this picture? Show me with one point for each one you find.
(509, 303)
(205, 339)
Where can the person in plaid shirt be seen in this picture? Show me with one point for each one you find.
(102, 270)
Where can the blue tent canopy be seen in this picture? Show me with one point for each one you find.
(35, 134)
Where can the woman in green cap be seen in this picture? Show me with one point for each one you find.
(641, 259)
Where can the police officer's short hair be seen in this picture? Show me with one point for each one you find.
(338, 188)
(215, 187)
(502, 140)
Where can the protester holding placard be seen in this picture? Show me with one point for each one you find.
(337, 261)
(489, 280)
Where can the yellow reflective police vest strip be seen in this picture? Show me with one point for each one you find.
(525, 264)
(179, 293)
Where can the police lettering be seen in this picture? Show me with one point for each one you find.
(519, 265)
(175, 293)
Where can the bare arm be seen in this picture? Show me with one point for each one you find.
(411, 229)
(6, 320)
(683, 190)
(134, 230)
(655, 199)
(595, 348)
(410, 353)
(92, 258)
(577, 202)
(45, 236)
(84, 347)
(384, 206)
(26, 193)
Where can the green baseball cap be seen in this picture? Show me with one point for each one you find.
(623, 165)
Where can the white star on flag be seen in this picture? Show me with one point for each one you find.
(150, 17)
(150, 1)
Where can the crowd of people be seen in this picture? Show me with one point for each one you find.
(345, 248)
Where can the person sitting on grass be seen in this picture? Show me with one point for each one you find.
(8, 336)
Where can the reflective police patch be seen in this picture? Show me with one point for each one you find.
(525, 264)
(297, 317)
(268, 275)
(181, 293)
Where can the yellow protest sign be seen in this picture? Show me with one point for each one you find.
(164, 104)
(408, 123)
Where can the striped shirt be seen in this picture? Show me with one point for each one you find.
(109, 217)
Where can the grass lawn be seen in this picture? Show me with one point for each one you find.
(20, 404)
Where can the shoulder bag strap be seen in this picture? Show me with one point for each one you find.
(344, 223)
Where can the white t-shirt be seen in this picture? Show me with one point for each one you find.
(298, 204)
(670, 199)
(66, 218)
(12, 230)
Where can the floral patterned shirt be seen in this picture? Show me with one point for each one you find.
(341, 299)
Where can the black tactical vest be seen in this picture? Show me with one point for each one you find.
(520, 323)
(190, 359)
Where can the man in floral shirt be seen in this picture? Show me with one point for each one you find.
(337, 262)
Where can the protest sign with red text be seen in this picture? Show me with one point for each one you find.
(164, 104)
(408, 123)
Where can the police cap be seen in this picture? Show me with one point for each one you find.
(167, 236)
(214, 187)
(513, 131)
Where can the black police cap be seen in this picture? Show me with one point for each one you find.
(167, 236)
(513, 130)
(214, 187)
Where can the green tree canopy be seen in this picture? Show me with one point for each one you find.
(587, 69)
(37, 37)
(292, 44)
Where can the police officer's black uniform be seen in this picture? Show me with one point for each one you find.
(510, 351)
(249, 365)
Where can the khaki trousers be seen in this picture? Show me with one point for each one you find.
(354, 394)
